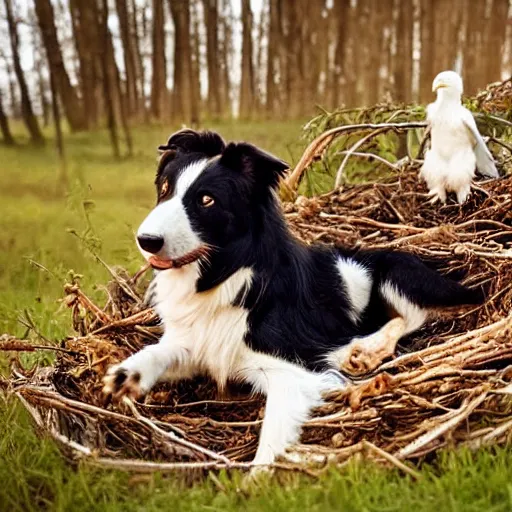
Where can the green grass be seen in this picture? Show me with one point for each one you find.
(103, 207)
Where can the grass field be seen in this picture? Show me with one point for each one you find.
(44, 233)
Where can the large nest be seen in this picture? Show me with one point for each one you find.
(496, 99)
(449, 385)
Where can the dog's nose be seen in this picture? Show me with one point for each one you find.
(151, 243)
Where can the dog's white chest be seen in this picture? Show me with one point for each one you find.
(208, 323)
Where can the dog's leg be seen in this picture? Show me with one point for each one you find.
(292, 392)
(136, 375)
(364, 354)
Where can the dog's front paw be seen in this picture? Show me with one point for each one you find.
(120, 382)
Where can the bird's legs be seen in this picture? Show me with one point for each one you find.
(463, 194)
(437, 194)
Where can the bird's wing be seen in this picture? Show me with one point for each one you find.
(484, 159)
(431, 110)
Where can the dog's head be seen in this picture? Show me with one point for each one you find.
(209, 195)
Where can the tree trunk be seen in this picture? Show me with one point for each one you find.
(311, 57)
(119, 97)
(26, 105)
(183, 93)
(247, 71)
(87, 38)
(261, 30)
(496, 40)
(139, 62)
(132, 94)
(73, 108)
(404, 54)
(14, 105)
(45, 107)
(473, 49)
(292, 29)
(159, 92)
(211, 20)
(62, 179)
(107, 81)
(427, 70)
(195, 63)
(272, 57)
(361, 53)
(373, 45)
(4, 126)
(226, 56)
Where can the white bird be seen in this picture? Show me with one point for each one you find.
(456, 147)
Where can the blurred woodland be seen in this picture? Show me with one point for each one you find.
(119, 63)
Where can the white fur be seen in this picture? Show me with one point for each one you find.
(358, 284)
(170, 221)
(292, 392)
(413, 315)
(188, 175)
(204, 333)
(410, 318)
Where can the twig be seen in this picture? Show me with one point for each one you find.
(441, 429)
(391, 458)
(144, 466)
(356, 146)
(173, 437)
(372, 156)
(146, 315)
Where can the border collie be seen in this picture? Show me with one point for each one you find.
(241, 299)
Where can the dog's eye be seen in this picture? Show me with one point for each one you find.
(164, 188)
(207, 201)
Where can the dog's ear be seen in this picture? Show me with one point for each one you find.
(189, 141)
(263, 168)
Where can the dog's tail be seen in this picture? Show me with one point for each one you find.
(422, 285)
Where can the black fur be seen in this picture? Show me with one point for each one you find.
(298, 305)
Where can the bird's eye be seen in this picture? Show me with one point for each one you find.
(164, 188)
(207, 201)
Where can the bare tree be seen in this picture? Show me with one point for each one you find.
(62, 180)
(129, 55)
(497, 28)
(473, 49)
(159, 76)
(108, 85)
(139, 62)
(27, 112)
(226, 55)
(71, 103)
(211, 21)
(274, 39)
(87, 38)
(4, 126)
(247, 81)
(117, 91)
(39, 64)
(14, 105)
(404, 52)
(195, 63)
(184, 108)
(427, 69)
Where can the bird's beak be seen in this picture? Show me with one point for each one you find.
(438, 85)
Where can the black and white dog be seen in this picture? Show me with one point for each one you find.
(241, 299)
